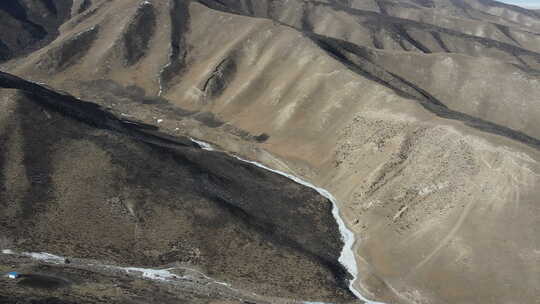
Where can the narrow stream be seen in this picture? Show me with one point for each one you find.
(346, 258)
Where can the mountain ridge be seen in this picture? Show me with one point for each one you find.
(419, 116)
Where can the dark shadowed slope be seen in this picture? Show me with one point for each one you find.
(28, 25)
(419, 116)
(138, 197)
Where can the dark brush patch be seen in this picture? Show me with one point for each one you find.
(527, 70)
(4, 138)
(521, 61)
(179, 16)
(209, 119)
(35, 25)
(333, 50)
(376, 40)
(401, 42)
(358, 58)
(256, 206)
(243, 7)
(402, 32)
(138, 34)
(249, 7)
(425, 3)
(440, 41)
(233, 185)
(464, 7)
(42, 282)
(263, 137)
(222, 75)
(135, 91)
(346, 3)
(14, 9)
(69, 52)
(5, 52)
(86, 14)
(19, 13)
(28, 299)
(305, 22)
(51, 6)
(382, 7)
(428, 97)
(155, 101)
(214, 4)
(67, 105)
(86, 4)
(270, 232)
(243, 134)
(506, 31)
(338, 49)
(37, 149)
(109, 91)
(399, 28)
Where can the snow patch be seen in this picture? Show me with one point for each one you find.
(204, 145)
(162, 275)
(43, 256)
(152, 274)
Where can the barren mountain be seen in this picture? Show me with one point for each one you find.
(419, 116)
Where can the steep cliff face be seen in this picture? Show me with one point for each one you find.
(419, 116)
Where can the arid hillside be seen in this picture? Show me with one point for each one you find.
(82, 182)
(419, 116)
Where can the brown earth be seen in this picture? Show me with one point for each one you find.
(79, 181)
(419, 116)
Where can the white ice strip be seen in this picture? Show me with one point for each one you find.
(164, 275)
(153, 274)
(346, 258)
(43, 256)
(204, 146)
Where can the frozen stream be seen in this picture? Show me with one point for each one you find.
(346, 258)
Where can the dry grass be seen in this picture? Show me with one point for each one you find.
(5, 242)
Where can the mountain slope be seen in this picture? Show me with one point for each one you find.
(27, 25)
(419, 116)
(79, 181)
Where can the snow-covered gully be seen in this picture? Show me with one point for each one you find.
(346, 258)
